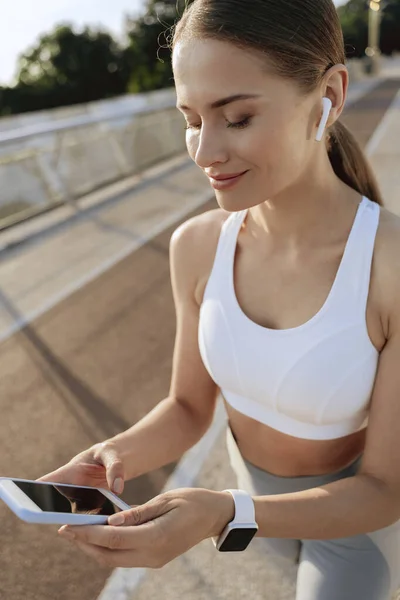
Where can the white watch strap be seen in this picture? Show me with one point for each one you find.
(244, 507)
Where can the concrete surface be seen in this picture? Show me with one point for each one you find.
(57, 264)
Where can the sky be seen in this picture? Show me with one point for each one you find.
(23, 21)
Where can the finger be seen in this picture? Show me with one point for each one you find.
(126, 517)
(62, 475)
(138, 515)
(114, 538)
(123, 517)
(110, 457)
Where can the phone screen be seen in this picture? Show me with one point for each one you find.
(67, 499)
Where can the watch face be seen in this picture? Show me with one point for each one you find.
(237, 540)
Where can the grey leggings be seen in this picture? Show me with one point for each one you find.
(363, 567)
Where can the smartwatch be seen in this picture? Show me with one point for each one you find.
(238, 534)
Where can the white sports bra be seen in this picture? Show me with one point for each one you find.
(313, 381)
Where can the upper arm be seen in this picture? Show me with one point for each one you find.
(191, 383)
(381, 458)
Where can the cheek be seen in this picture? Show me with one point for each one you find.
(281, 150)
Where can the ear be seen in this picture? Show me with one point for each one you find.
(335, 87)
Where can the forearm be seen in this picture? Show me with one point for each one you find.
(160, 438)
(345, 508)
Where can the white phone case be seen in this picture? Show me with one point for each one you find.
(28, 511)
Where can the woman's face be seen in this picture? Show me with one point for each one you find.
(269, 137)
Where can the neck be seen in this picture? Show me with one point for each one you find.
(304, 213)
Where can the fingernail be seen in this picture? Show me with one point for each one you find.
(117, 519)
(66, 533)
(118, 485)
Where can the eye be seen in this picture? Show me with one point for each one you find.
(238, 125)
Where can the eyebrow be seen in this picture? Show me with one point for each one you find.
(225, 101)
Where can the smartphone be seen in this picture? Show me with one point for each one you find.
(60, 504)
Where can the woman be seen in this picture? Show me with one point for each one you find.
(287, 302)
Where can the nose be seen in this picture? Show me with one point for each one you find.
(209, 148)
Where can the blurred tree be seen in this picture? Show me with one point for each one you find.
(354, 17)
(86, 66)
(67, 68)
(147, 52)
(390, 28)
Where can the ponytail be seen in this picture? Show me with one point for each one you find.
(350, 163)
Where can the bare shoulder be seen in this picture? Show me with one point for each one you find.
(200, 227)
(192, 250)
(387, 266)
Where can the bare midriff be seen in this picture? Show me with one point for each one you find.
(287, 456)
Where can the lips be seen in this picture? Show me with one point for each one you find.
(225, 177)
(226, 182)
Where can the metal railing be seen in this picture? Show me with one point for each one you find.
(44, 166)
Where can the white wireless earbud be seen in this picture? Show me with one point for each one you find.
(325, 116)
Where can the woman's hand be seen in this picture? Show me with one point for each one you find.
(155, 533)
(99, 466)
